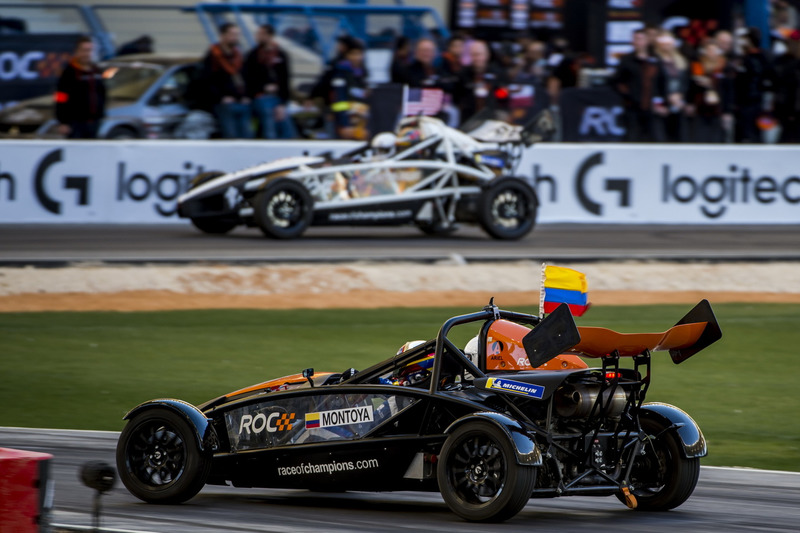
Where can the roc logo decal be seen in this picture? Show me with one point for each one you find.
(517, 387)
(284, 423)
(271, 423)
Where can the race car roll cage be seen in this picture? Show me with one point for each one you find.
(442, 159)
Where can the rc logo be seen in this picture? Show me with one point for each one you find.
(620, 186)
(601, 121)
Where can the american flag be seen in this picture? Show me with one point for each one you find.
(422, 101)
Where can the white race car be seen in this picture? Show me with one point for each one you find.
(426, 174)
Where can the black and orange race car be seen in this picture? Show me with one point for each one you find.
(517, 414)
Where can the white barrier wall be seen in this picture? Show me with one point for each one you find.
(118, 181)
(138, 182)
(666, 184)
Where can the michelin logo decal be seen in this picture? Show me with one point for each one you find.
(517, 387)
(339, 417)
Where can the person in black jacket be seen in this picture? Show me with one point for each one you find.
(400, 60)
(80, 94)
(482, 85)
(225, 87)
(787, 89)
(349, 91)
(753, 80)
(710, 95)
(266, 72)
(423, 71)
(640, 82)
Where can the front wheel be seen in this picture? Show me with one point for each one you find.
(662, 478)
(159, 459)
(216, 224)
(507, 208)
(284, 209)
(479, 477)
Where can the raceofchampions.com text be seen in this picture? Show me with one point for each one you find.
(328, 468)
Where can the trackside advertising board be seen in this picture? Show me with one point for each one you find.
(673, 184)
(119, 181)
(138, 181)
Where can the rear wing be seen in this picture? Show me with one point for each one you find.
(694, 332)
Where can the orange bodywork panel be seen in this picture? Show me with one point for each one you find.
(504, 350)
(600, 342)
(286, 382)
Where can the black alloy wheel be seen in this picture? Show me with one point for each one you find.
(479, 477)
(662, 478)
(283, 210)
(507, 209)
(159, 459)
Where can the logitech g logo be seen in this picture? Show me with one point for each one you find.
(622, 186)
(78, 183)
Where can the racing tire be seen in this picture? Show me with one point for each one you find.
(479, 477)
(435, 229)
(662, 478)
(159, 459)
(284, 209)
(215, 225)
(507, 209)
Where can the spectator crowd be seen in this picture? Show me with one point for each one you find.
(722, 87)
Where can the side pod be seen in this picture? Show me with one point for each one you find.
(204, 431)
(694, 443)
(525, 447)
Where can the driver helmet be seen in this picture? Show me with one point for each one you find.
(383, 144)
(409, 135)
(416, 371)
(409, 345)
(471, 350)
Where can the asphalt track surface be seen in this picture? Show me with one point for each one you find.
(62, 244)
(725, 500)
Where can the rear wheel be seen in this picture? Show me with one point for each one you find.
(215, 224)
(436, 229)
(284, 209)
(507, 209)
(159, 459)
(479, 477)
(662, 478)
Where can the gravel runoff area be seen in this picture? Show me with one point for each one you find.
(372, 285)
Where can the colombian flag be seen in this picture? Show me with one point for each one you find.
(312, 420)
(564, 285)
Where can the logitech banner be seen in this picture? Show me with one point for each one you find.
(30, 64)
(138, 182)
(591, 115)
(120, 182)
(665, 184)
